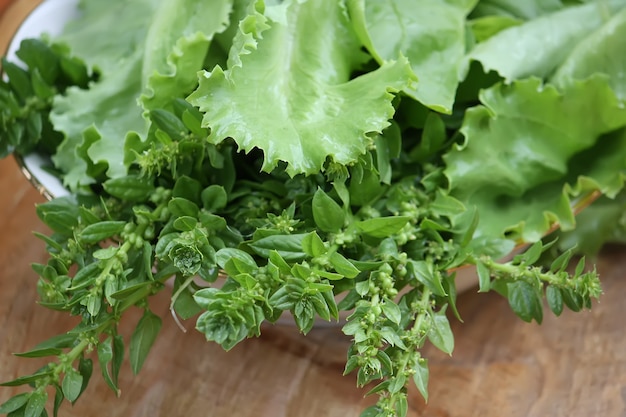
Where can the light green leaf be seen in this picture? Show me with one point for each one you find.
(431, 36)
(142, 339)
(14, 403)
(97, 232)
(420, 377)
(440, 333)
(287, 246)
(601, 52)
(298, 68)
(392, 311)
(382, 227)
(313, 245)
(484, 277)
(539, 46)
(343, 266)
(165, 40)
(36, 404)
(72, 385)
(176, 44)
(424, 273)
(328, 215)
(531, 148)
(527, 9)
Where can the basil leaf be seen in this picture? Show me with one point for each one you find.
(525, 301)
(72, 385)
(142, 339)
(440, 333)
(328, 215)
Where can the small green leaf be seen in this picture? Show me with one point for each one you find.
(572, 300)
(185, 223)
(288, 246)
(580, 267)
(214, 198)
(372, 411)
(525, 301)
(94, 303)
(72, 385)
(383, 386)
(561, 262)
(105, 355)
(235, 261)
(185, 305)
(86, 274)
(14, 403)
(424, 273)
(532, 254)
(420, 377)
(143, 338)
(58, 400)
(40, 353)
(182, 207)
(327, 214)
(97, 232)
(397, 383)
(131, 188)
(85, 368)
(382, 227)
(392, 311)
(343, 266)
(484, 277)
(313, 245)
(118, 357)
(106, 253)
(555, 299)
(23, 380)
(440, 333)
(392, 337)
(36, 404)
(169, 123)
(187, 188)
(402, 406)
(446, 205)
(329, 297)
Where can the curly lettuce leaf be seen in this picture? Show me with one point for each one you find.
(516, 9)
(171, 63)
(288, 88)
(108, 108)
(153, 48)
(431, 36)
(516, 163)
(601, 52)
(537, 47)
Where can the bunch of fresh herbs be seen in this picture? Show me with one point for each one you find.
(312, 157)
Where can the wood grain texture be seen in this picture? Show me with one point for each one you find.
(574, 365)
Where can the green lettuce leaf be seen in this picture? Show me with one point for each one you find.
(601, 52)
(288, 89)
(526, 9)
(537, 47)
(108, 108)
(174, 74)
(431, 36)
(518, 163)
(154, 50)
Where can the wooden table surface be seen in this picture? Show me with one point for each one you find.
(574, 365)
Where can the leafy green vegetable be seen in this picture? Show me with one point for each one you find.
(320, 157)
